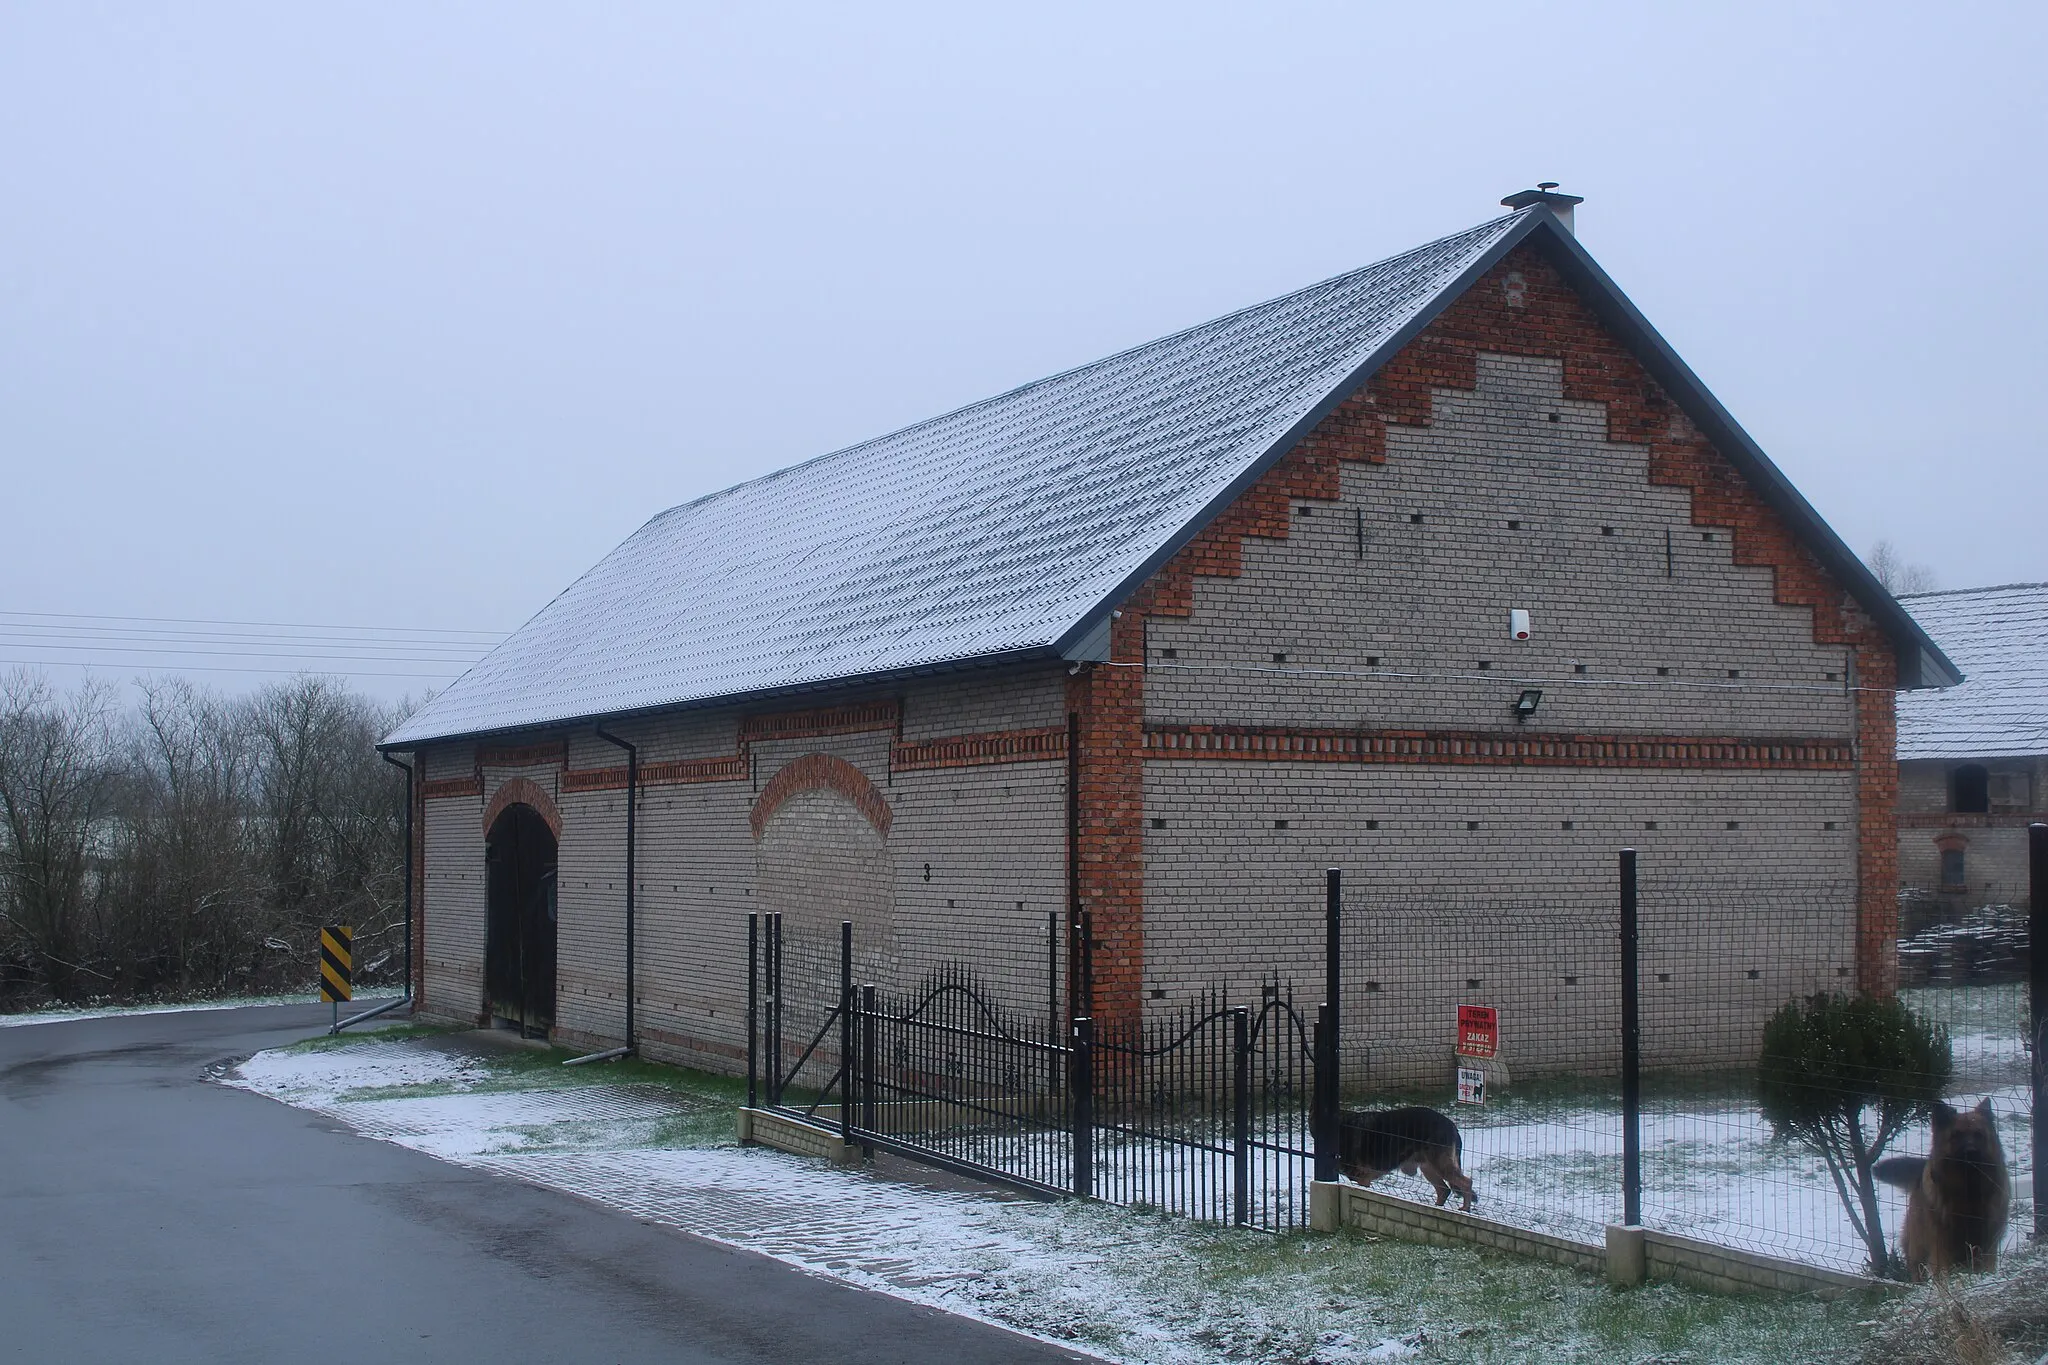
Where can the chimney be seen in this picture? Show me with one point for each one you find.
(1546, 195)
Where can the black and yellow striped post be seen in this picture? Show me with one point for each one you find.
(337, 961)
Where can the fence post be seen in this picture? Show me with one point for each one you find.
(1052, 1001)
(867, 1066)
(1082, 1075)
(775, 1009)
(1323, 1107)
(1323, 1116)
(1241, 1117)
(2037, 993)
(753, 1009)
(846, 1032)
(1631, 1054)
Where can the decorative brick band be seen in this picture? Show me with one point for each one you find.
(826, 720)
(677, 772)
(813, 772)
(994, 746)
(443, 787)
(1947, 820)
(523, 791)
(555, 751)
(1256, 743)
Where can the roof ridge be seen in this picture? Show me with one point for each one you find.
(1957, 592)
(1476, 229)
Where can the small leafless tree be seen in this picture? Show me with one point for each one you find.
(1897, 576)
(57, 777)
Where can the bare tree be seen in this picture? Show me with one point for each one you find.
(184, 904)
(1898, 576)
(196, 846)
(57, 773)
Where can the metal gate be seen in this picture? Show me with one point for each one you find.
(1207, 1111)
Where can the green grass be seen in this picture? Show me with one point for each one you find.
(336, 1042)
(1276, 1298)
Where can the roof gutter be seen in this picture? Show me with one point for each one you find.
(412, 743)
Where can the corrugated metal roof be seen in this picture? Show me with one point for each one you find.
(1999, 637)
(997, 529)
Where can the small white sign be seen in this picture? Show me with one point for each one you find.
(1471, 1085)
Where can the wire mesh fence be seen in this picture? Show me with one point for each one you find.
(1547, 1145)
(1607, 1057)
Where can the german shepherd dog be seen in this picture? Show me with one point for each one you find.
(1372, 1142)
(1962, 1191)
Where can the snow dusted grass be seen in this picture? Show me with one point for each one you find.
(1130, 1285)
(1547, 1154)
(61, 1015)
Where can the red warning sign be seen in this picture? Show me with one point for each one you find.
(1478, 1031)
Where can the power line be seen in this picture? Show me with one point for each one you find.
(277, 625)
(202, 653)
(111, 664)
(151, 635)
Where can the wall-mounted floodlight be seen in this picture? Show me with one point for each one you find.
(1526, 704)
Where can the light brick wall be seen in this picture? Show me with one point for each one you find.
(972, 864)
(1435, 900)
(451, 899)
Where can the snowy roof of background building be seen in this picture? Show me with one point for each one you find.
(1010, 528)
(1999, 636)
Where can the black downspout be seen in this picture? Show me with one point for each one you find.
(632, 863)
(409, 862)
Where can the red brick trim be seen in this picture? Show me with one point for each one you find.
(523, 791)
(1947, 820)
(677, 772)
(1110, 703)
(829, 772)
(1951, 842)
(1247, 743)
(825, 720)
(443, 787)
(555, 751)
(994, 746)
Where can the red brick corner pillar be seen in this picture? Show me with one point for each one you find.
(1877, 821)
(1110, 702)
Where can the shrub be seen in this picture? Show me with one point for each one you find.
(1844, 1075)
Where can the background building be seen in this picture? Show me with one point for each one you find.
(1973, 759)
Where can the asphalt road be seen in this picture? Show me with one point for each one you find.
(147, 1214)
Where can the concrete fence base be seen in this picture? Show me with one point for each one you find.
(798, 1136)
(1631, 1256)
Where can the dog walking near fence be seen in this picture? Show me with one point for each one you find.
(1600, 1065)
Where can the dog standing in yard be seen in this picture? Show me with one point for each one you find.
(1961, 1192)
(1372, 1142)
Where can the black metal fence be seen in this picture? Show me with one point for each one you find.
(1205, 1111)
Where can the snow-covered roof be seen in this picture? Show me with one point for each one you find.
(1999, 637)
(1012, 527)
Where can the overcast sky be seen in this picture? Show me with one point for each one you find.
(400, 316)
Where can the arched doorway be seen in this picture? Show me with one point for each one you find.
(519, 944)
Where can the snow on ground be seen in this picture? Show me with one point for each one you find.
(1145, 1288)
(65, 1016)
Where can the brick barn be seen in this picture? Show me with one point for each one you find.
(1973, 760)
(1166, 635)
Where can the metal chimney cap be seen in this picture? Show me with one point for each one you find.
(1560, 205)
(1544, 193)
